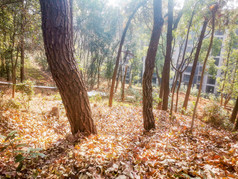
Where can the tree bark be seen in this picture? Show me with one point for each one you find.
(148, 117)
(214, 10)
(227, 64)
(22, 44)
(168, 56)
(234, 112)
(177, 93)
(57, 26)
(157, 74)
(118, 78)
(123, 85)
(179, 71)
(185, 104)
(119, 53)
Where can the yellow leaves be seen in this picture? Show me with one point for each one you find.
(212, 7)
(232, 151)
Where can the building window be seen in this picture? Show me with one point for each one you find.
(210, 89)
(186, 78)
(219, 32)
(189, 49)
(216, 61)
(211, 80)
(188, 69)
(199, 79)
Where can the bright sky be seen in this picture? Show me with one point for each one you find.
(117, 2)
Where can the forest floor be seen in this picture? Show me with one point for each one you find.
(121, 149)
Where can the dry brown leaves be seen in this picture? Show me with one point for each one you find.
(121, 149)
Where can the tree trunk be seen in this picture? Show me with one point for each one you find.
(227, 64)
(14, 68)
(22, 70)
(118, 77)
(148, 117)
(57, 26)
(177, 93)
(234, 112)
(214, 10)
(168, 56)
(130, 80)
(157, 74)
(98, 77)
(123, 85)
(119, 53)
(161, 92)
(179, 71)
(185, 104)
(8, 70)
(3, 61)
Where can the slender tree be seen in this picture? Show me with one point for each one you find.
(119, 52)
(57, 26)
(214, 10)
(123, 84)
(22, 43)
(200, 41)
(148, 116)
(168, 55)
(234, 111)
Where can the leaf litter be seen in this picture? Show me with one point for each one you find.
(121, 149)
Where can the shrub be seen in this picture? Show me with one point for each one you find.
(190, 108)
(217, 116)
(19, 151)
(136, 93)
(26, 88)
(11, 104)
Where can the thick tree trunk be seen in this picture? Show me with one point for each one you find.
(119, 53)
(123, 85)
(185, 104)
(168, 55)
(148, 116)
(58, 39)
(234, 112)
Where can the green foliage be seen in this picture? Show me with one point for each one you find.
(42, 61)
(228, 82)
(19, 151)
(137, 94)
(217, 116)
(216, 47)
(156, 98)
(96, 98)
(190, 108)
(11, 104)
(57, 97)
(26, 88)
(212, 68)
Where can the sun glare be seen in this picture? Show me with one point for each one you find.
(113, 3)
